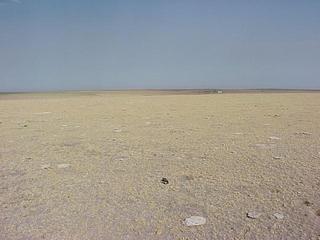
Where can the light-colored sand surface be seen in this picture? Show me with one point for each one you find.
(89, 166)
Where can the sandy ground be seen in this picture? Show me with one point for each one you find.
(90, 165)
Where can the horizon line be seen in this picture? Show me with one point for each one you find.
(203, 90)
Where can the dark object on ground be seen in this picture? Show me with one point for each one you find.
(307, 203)
(253, 215)
(25, 125)
(164, 181)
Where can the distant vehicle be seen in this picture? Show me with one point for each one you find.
(220, 92)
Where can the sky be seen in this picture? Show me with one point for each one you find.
(98, 44)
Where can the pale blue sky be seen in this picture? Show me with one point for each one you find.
(99, 44)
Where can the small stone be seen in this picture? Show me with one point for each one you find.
(307, 203)
(274, 138)
(117, 130)
(63, 165)
(194, 221)
(278, 216)
(45, 166)
(253, 215)
(121, 158)
(164, 181)
(157, 231)
(303, 133)
(318, 212)
(25, 125)
(276, 157)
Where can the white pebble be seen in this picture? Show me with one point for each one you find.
(274, 138)
(63, 165)
(194, 221)
(117, 130)
(253, 215)
(278, 216)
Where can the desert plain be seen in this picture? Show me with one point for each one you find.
(136, 164)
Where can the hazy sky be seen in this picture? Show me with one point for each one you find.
(103, 44)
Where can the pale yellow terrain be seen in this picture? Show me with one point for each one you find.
(89, 165)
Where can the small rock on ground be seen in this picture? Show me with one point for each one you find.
(274, 138)
(117, 130)
(194, 221)
(307, 203)
(303, 133)
(63, 165)
(278, 216)
(45, 166)
(42, 113)
(253, 215)
(164, 181)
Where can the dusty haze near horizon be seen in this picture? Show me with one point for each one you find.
(90, 165)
